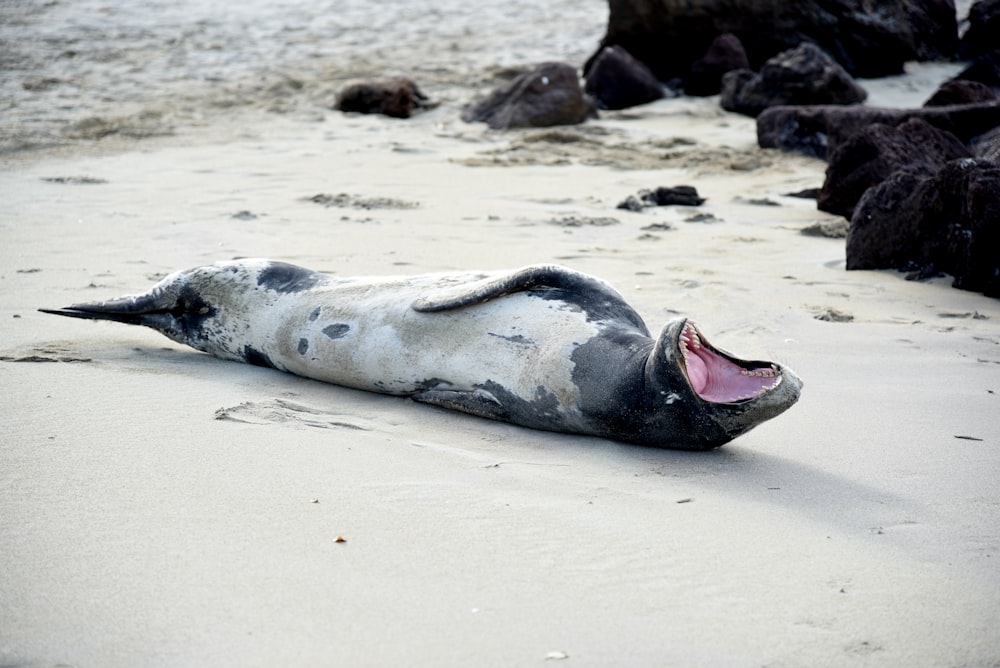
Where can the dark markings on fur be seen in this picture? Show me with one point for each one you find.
(494, 401)
(588, 296)
(257, 358)
(303, 346)
(539, 410)
(188, 315)
(314, 314)
(431, 384)
(610, 371)
(284, 278)
(337, 331)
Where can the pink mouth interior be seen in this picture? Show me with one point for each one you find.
(718, 379)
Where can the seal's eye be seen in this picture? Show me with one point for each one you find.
(184, 308)
(180, 308)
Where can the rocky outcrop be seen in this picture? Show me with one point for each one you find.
(985, 69)
(548, 95)
(876, 152)
(869, 39)
(984, 26)
(618, 81)
(933, 25)
(397, 97)
(725, 54)
(948, 222)
(800, 76)
(819, 130)
(960, 91)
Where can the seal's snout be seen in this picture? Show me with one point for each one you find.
(178, 314)
(129, 310)
(718, 377)
(132, 310)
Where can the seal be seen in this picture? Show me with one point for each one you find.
(543, 346)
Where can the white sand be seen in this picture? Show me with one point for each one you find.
(861, 528)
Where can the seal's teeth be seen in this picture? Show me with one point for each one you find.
(760, 373)
(691, 337)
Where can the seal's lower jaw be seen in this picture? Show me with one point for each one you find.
(719, 378)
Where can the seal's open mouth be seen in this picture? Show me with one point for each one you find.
(718, 377)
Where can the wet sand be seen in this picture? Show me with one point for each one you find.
(160, 507)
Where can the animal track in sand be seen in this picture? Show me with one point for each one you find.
(282, 411)
(45, 353)
(601, 147)
(345, 200)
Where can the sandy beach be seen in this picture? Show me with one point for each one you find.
(160, 507)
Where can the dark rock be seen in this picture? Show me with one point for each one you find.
(869, 39)
(960, 91)
(873, 154)
(680, 195)
(934, 26)
(984, 26)
(547, 95)
(985, 69)
(617, 80)
(800, 76)
(948, 222)
(631, 203)
(397, 97)
(662, 196)
(819, 130)
(808, 193)
(725, 54)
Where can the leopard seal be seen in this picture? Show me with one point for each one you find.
(542, 346)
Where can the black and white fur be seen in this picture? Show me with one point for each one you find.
(542, 346)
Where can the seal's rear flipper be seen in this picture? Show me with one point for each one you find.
(475, 402)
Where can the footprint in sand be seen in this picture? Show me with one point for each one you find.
(282, 411)
(47, 353)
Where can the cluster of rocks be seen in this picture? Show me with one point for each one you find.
(682, 42)
(804, 75)
(921, 187)
(757, 54)
(547, 95)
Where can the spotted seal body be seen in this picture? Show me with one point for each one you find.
(542, 346)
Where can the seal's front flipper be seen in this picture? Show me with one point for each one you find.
(489, 287)
(533, 277)
(548, 281)
(475, 402)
